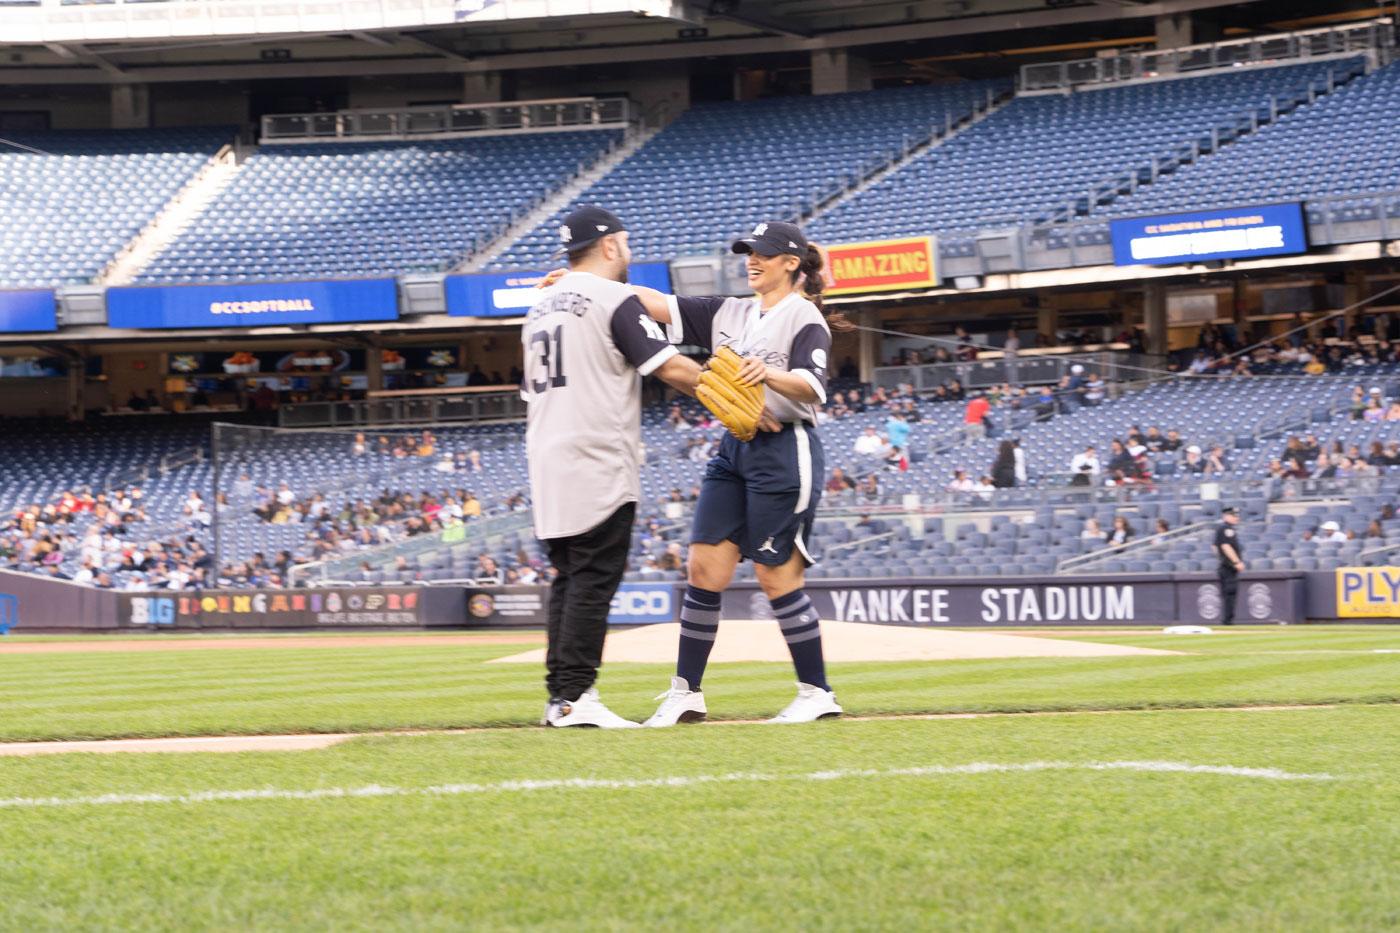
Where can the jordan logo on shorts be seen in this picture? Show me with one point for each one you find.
(767, 546)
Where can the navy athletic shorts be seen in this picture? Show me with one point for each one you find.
(763, 495)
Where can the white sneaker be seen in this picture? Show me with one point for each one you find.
(587, 710)
(812, 703)
(679, 704)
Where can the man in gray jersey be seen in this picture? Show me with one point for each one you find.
(586, 342)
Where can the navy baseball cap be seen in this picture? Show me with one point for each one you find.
(773, 238)
(586, 226)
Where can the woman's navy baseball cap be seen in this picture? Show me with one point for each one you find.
(773, 238)
(586, 226)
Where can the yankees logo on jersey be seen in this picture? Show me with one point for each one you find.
(585, 342)
(792, 335)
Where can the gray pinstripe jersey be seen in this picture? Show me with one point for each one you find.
(585, 342)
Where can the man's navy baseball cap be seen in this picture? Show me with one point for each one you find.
(586, 226)
(773, 238)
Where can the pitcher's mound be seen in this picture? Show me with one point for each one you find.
(843, 641)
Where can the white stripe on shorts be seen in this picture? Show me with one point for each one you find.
(804, 468)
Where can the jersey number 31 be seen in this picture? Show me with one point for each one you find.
(548, 349)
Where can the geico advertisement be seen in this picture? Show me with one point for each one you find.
(1368, 592)
(644, 602)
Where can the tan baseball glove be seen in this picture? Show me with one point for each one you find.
(739, 407)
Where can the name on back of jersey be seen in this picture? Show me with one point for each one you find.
(561, 303)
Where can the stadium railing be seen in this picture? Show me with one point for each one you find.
(568, 113)
(478, 533)
(427, 406)
(1263, 51)
(1028, 367)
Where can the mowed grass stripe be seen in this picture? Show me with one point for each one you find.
(1039, 850)
(300, 690)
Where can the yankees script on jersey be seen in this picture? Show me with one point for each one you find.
(791, 335)
(585, 343)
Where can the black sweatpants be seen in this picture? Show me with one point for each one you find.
(1229, 584)
(590, 568)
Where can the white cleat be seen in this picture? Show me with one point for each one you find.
(587, 710)
(812, 703)
(679, 704)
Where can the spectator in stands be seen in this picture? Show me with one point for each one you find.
(1092, 535)
(1004, 466)
(1153, 440)
(967, 350)
(676, 419)
(1324, 468)
(1374, 413)
(959, 483)
(1045, 403)
(1094, 390)
(839, 482)
(1122, 532)
(870, 488)
(975, 416)
(984, 488)
(1377, 456)
(897, 430)
(1374, 530)
(1331, 533)
(1142, 466)
(870, 443)
(1194, 462)
(956, 392)
(896, 459)
(487, 571)
(1161, 527)
(1217, 463)
(1087, 462)
(1019, 455)
(1358, 403)
(1082, 477)
(1119, 460)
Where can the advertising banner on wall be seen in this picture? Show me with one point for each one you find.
(517, 606)
(28, 311)
(1368, 592)
(349, 607)
(881, 265)
(1235, 233)
(511, 294)
(255, 304)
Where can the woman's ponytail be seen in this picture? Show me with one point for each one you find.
(809, 273)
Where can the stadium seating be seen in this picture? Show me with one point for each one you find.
(1032, 529)
(720, 168)
(69, 212)
(1040, 152)
(1348, 142)
(362, 209)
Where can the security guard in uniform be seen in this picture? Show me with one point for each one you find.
(1231, 553)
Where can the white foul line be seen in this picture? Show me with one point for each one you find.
(450, 790)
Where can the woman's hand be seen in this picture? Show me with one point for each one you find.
(553, 276)
(753, 371)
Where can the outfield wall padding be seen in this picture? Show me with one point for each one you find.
(39, 603)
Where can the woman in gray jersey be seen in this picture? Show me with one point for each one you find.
(759, 498)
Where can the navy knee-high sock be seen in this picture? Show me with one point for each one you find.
(803, 634)
(699, 625)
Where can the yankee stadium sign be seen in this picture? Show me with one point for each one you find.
(1021, 602)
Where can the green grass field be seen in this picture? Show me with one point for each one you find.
(1056, 821)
